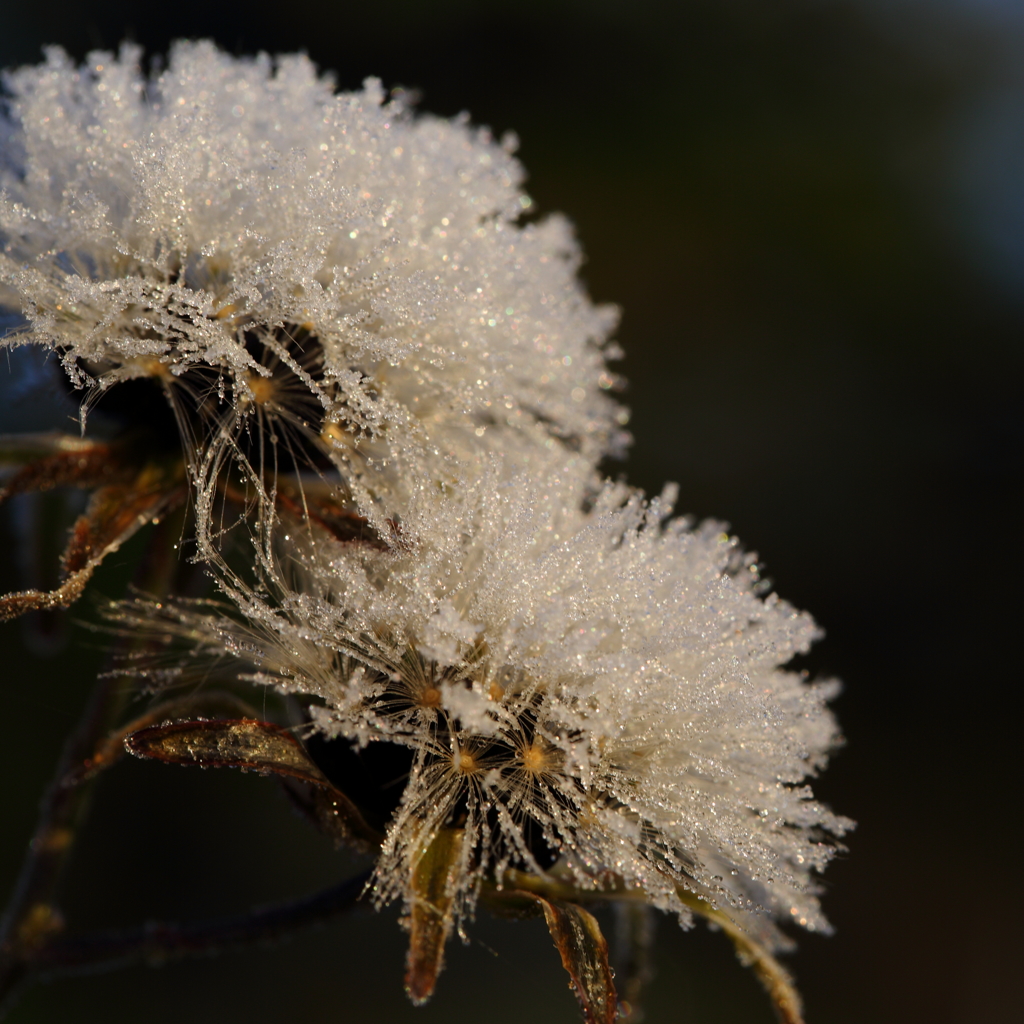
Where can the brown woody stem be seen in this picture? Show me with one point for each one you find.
(32, 920)
(159, 941)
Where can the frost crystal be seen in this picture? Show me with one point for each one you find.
(588, 693)
(346, 276)
(572, 682)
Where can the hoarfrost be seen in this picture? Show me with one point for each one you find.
(329, 265)
(583, 683)
(605, 684)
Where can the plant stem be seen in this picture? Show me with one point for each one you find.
(32, 920)
(156, 942)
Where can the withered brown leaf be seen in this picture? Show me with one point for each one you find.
(255, 746)
(61, 460)
(430, 916)
(114, 514)
(584, 952)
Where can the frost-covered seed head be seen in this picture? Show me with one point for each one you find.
(196, 227)
(598, 693)
(578, 683)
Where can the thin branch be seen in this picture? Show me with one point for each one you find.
(32, 919)
(157, 942)
(774, 978)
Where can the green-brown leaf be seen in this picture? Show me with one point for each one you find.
(252, 746)
(772, 975)
(430, 917)
(584, 952)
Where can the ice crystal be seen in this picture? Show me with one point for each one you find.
(576, 683)
(298, 269)
(596, 693)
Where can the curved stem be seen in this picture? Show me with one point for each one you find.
(159, 941)
(774, 978)
(32, 919)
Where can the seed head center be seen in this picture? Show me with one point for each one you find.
(153, 367)
(430, 697)
(534, 758)
(262, 388)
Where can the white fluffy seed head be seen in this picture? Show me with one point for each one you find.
(299, 269)
(603, 686)
(189, 226)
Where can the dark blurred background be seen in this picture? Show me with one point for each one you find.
(812, 215)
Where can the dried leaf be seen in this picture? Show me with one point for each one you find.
(114, 514)
(22, 601)
(584, 953)
(20, 449)
(773, 976)
(315, 502)
(253, 746)
(111, 749)
(226, 743)
(323, 509)
(430, 917)
(16, 449)
(61, 460)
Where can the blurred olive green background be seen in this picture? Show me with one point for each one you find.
(808, 212)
